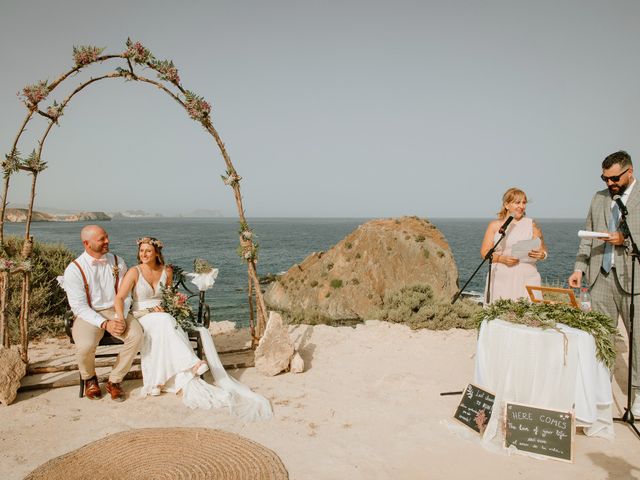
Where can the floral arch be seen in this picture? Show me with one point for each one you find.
(167, 80)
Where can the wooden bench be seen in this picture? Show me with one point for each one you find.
(203, 319)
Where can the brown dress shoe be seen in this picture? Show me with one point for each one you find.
(92, 388)
(116, 391)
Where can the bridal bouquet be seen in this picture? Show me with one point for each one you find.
(175, 304)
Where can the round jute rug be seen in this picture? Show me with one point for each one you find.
(166, 453)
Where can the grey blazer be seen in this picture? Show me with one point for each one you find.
(591, 250)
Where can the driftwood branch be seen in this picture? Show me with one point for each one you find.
(5, 191)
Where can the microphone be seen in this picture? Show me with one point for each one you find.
(621, 206)
(504, 226)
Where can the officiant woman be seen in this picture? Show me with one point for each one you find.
(510, 273)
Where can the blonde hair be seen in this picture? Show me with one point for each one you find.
(155, 243)
(509, 196)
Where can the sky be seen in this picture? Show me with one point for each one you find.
(352, 108)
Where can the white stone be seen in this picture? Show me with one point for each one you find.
(275, 348)
(12, 369)
(224, 326)
(297, 364)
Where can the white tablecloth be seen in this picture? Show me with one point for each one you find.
(531, 366)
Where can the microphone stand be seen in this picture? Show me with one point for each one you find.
(488, 256)
(635, 255)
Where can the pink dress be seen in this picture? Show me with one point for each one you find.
(509, 282)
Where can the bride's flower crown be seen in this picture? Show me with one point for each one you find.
(151, 241)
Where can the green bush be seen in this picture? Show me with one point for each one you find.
(336, 283)
(417, 307)
(48, 301)
(420, 238)
(314, 283)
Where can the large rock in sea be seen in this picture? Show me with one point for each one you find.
(349, 281)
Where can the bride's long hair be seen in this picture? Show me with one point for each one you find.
(157, 247)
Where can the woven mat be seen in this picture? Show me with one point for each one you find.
(166, 453)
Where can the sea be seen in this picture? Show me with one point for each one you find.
(284, 242)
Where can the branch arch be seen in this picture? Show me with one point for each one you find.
(168, 81)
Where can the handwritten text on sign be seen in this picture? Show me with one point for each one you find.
(475, 408)
(541, 431)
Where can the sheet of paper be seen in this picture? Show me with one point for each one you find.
(521, 249)
(589, 234)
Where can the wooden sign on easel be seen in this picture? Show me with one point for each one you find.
(541, 431)
(475, 408)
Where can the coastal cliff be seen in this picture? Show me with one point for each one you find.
(19, 215)
(350, 280)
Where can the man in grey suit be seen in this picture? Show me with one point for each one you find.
(607, 261)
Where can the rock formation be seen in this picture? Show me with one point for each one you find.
(12, 369)
(350, 280)
(19, 215)
(85, 217)
(275, 349)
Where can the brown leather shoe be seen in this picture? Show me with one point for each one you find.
(116, 391)
(92, 388)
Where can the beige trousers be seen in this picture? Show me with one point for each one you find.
(87, 336)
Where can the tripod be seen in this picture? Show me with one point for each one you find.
(635, 255)
(488, 256)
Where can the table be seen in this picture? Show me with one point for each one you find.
(548, 368)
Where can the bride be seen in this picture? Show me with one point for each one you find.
(168, 361)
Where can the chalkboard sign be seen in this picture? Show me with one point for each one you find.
(540, 431)
(475, 407)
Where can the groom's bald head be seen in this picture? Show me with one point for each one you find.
(95, 240)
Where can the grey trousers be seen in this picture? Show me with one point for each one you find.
(608, 297)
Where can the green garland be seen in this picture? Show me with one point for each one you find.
(545, 315)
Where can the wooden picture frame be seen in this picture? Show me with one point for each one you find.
(560, 295)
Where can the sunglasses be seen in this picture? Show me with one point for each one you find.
(613, 178)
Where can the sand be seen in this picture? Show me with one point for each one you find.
(367, 407)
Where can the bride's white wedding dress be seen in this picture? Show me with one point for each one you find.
(168, 360)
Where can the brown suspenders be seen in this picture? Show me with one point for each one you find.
(86, 284)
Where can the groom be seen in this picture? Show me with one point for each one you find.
(91, 282)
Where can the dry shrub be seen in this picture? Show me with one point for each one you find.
(48, 301)
(417, 307)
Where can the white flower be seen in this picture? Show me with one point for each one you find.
(247, 234)
(204, 281)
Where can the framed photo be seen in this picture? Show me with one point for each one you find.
(551, 295)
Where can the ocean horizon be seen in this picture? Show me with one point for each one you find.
(285, 241)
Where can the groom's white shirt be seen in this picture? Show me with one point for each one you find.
(101, 287)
